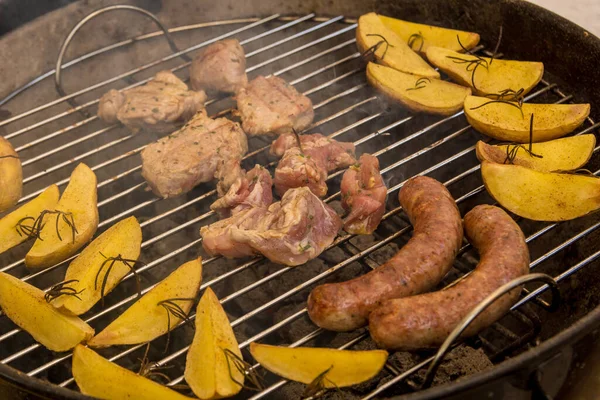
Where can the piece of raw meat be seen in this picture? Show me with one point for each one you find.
(363, 194)
(309, 164)
(203, 150)
(220, 67)
(292, 231)
(269, 106)
(161, 105)
(254, 189)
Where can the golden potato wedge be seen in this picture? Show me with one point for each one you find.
(371, 32)
(566, 154)
(210, 357)
(418, 94)
(98, 377)
(146, 319)
(506, 122)
(499, 75)
(26, 306)
(10, 236)
(541, 196)
(304, 364)
(78, 205)
(96, 268)
(11, 176)
(421, 36)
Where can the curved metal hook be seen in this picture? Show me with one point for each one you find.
(489, 300)
(65, 45)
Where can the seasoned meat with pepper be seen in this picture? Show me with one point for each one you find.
(161, 105)
(203, 150)
(292, 231)
(220, 67)
(270, 106)
(254, 189)
(309, 165)
(363, 195)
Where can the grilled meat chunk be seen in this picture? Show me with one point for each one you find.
(220, 67)
(160, 105)
(271, 106)
(254, 189)
(309, 165)
(296, 169)
(290, 232)
(203, 150)
(364, 195)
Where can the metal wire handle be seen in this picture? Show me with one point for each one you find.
(67, 42)
(466, 321)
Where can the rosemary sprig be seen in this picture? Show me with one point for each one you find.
(471, 64)
(373, 49)
(257, 381)
(172, 308)
(150, 370)
(519, 105)
(298, 141)
(413, 38)
(420, 83)
(497, 45)
(511, 153)
(110, 262)
(317, 387)
(34, 230)
(61, 289)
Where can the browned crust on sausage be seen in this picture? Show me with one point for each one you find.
(416, 268)
(426, 320)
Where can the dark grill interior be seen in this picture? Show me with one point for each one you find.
(266, 302)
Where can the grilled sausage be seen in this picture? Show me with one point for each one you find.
(426, 320)
(416, 268)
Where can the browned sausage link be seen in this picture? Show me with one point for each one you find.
(426, 320)
(416, 268)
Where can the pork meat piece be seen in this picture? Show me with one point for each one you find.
(216, 237)
(271, 106)
(220, 67)
(296, 169)
(161, 105)
(203, 150)
(309, 165)
(330, 152)
(292, 231)
(364, 195)
(253, 189)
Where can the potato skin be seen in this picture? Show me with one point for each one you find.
(11, 176)
(416, 268)
(425, 320)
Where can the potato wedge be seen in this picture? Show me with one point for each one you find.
(423, 36)
(541, 196)
(209, 358)
(25, 306)
(566, 154)
(505, 122)
(9, 235)
(88, 271)
(500, 74)
(305, 364)
(79, 203)
(98, 377)
(418, 94)
(146, 319)
(11, 176)
(397, 54)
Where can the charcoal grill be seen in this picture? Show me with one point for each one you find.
(51, 122)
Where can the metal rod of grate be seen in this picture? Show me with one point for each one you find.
(340, 240)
